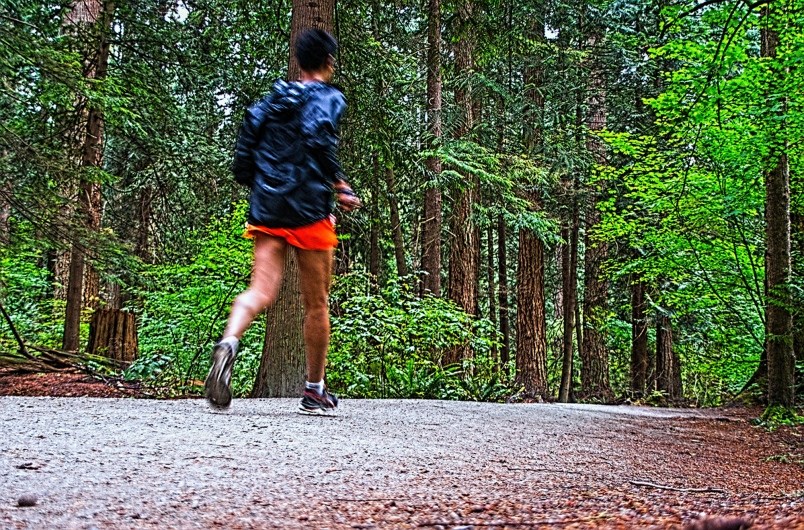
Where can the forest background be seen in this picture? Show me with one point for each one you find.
(574, 200)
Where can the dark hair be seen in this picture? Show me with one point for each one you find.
(313, 47)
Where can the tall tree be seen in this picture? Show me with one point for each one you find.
(531, 344)
(594, 356)
(431, 224)
(282, 366)
(464, 256)
(90, 21)
(779, 319)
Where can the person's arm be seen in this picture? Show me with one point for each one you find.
(247, 139)
(347, 199)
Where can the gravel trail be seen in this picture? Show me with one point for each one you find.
(128, 463)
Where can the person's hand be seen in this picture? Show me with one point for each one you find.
(347, 199)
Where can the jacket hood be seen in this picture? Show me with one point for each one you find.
(286, 97)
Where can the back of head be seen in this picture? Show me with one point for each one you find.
(313, 48)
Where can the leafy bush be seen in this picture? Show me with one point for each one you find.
(182, 309)
(391, 343)
(26, 293)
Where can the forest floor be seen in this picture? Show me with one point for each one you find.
(134, 463)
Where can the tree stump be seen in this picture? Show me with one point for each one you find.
(113, 334)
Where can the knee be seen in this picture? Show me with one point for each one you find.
(255, 301)
(316, 304)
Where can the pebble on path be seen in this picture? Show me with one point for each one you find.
(27, 500)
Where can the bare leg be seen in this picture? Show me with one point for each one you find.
(315, 274)
(269, 262)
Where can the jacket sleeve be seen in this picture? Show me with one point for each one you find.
(320, 124)
(247, 140)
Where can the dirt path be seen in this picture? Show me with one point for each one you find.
(125, 463)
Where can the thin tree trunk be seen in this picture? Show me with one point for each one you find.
(594, 356)
(492, 288)
(779, 319)
(797, 256)
(396, 223)
(282, 367)
(570, 288)
(374, 232)
(502, 261)
(6, 189)
(464, 263)
(639, 338)
(142, 247)
(668, 370)
(431, 225)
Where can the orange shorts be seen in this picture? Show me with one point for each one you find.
(316, 236)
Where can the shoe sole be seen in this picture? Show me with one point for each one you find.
(317, 412)
(218, 393)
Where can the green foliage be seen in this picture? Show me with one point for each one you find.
(182, 310)
(25, 289)
(777, 416)
(391, 344)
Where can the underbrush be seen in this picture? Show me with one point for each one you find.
(390, 343)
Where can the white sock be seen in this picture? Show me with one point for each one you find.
(233, 341)
(318, 387)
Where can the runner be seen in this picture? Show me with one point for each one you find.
(286, 154)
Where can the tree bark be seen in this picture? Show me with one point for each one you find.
(6, 189)
(113, 334)
(639, 338)
(464, 262)
(570, 287)
(492, 288)
(97, 16)
(502, 263)
(797, 265)
(282, 367)
(374, 214)
(431, 225)
(531, 334)
(396, 223)
(594, 356)
(668, 369)
(778, 316)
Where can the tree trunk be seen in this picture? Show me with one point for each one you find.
(464, 262)
(668, 369)
(282, 367)
(113, 334)
(396, 223)
(97, 15)
(502, 262)
(492, 288)
(374, 215)
(797, 244)
(639, 338)
(569, 279)
(142, 248)
(778, 317)
(594, 356)
(431, 225)
(531, 334)
(6, 189)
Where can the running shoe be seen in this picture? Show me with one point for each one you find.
(216, 387)
(323, 404)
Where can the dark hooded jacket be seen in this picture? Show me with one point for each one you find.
(286, 153)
